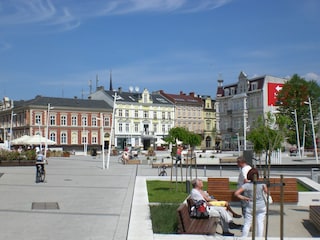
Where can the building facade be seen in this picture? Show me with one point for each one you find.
(188, 111)
(74, 124)
(209, 123)
(240, 104)
(141, 119)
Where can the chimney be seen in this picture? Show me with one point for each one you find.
(120, 89)
(191, 94)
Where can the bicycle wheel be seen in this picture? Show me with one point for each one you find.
(163, 173)
(42, 174)
(120, 160)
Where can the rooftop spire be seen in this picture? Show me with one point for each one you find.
(110, 87)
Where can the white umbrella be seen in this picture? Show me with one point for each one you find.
(20, 140)
(160, 142)
(37, 140)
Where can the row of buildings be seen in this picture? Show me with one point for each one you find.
(120, 118)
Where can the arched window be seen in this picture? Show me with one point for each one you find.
(208, 142)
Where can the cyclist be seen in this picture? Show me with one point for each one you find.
(40, 161)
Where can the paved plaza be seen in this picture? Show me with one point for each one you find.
(82, 201)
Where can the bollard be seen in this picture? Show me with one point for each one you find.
(205, 170)
(220, 171)
(188, 186)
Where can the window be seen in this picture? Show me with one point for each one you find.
(127, 113)
(94, 121)
(63, 138)
(127, 127)
(107, 121)
(169, 115)
(163, 128)
(254, 86)
(163, 115)
(155, 128)
(53, 120)
(38, 119)
(120, 112)
(74, 120)
(136, 127)
(94, 138)
(84, 121)
(145, 114)
(74, 138)
(53, 136)
(136, 113)
(63, 120)
(120, 127)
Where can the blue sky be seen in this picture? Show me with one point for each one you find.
(55, 47)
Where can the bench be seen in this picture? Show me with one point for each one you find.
(133, 161)
(160, 165)
(314, 216)
(219, 188)
(188, 225)
(290, 190)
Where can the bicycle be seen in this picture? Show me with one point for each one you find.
(121, 160)
(41, 172)
(163, 171)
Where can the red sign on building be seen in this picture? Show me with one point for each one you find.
(273, 89)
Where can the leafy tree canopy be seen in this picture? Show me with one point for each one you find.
(291, 98)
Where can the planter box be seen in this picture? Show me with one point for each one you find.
(14, 163)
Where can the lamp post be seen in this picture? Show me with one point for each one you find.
(244, 124)
(11, 123)
(47, 129)
(102, 139)
(313, 133)
(40, 136)
(297, 132)
(84, 137)
(112, 126)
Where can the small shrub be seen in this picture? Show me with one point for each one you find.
(164, 218)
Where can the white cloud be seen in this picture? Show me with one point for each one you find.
(312, 76)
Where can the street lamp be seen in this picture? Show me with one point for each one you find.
(102, 139)
(112, 126)
(313, 133)
(84, 137)
(39, 124)
(11, 123)
(297, 131)
(47, 129)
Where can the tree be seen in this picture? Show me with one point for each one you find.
(267, 135)
(292, 97)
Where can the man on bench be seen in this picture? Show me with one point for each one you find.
(226, 221)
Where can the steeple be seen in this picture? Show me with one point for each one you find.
(110, 87)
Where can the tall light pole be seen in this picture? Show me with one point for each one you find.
(313, 133)
(84, 137)
(112, 126)
(11, 123)
(297, 132)
(39, 123)
(47, 129)
(102, 139)
(244, 123)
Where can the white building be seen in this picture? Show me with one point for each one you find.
(238, 105)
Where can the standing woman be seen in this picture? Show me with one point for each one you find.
(245, 192)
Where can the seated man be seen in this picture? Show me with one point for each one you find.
(214, 211)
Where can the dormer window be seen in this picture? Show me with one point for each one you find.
(254, 86)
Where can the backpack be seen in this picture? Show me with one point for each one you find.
(199, 210)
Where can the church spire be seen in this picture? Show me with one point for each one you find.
(110, 87)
